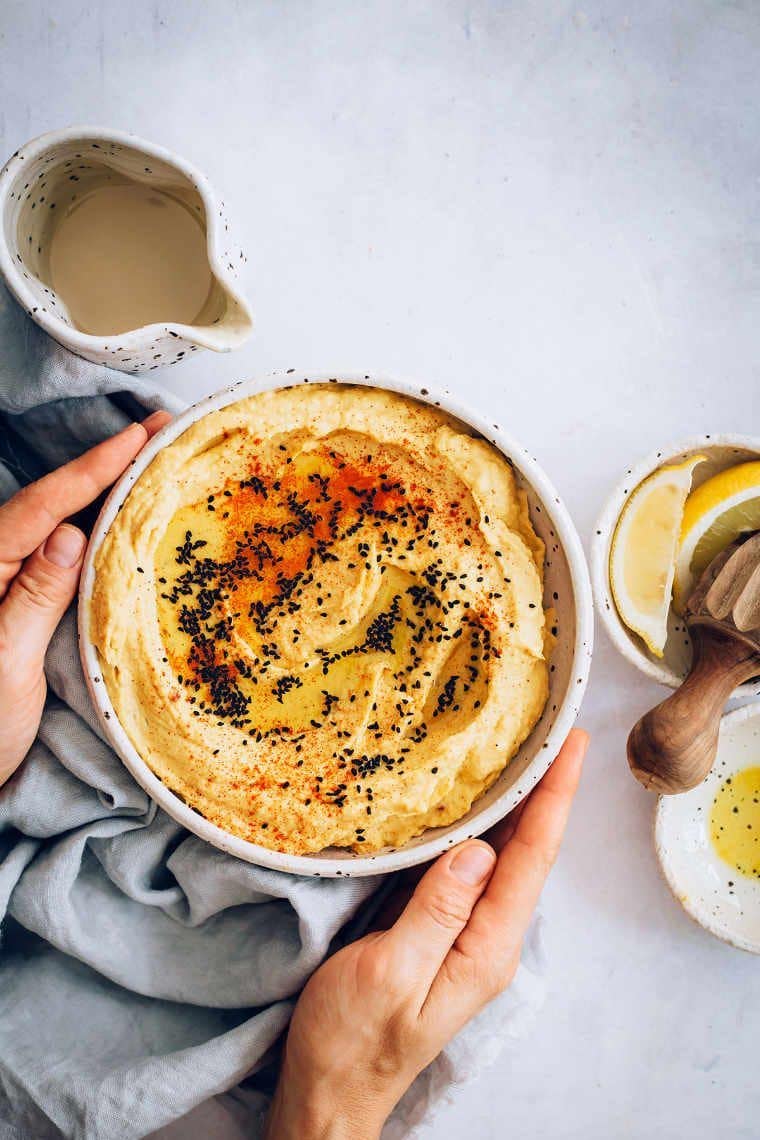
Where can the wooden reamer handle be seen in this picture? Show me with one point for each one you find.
(672, 748)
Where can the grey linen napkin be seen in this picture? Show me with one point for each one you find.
(143, 973)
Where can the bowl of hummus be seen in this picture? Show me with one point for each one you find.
(335, 624)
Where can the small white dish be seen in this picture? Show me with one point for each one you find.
(721, 451)
(47, 174)
(711, 891)
(566, 588)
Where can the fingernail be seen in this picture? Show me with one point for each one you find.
(472, 864)
(64, 547)
(152, 419)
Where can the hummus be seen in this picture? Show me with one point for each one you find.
(319, 617)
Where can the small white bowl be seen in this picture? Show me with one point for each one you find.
(567, 589)
(715, 895)
(722, 451)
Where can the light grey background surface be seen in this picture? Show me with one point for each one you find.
(555, 209)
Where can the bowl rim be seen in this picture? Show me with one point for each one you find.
(131, 338)
(601, 541)
(350, 865)
(699, 915)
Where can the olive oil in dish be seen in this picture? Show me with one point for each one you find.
(735, 821)
(127, 254)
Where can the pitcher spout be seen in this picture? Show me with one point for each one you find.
(225, 321)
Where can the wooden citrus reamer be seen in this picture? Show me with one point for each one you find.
(672, 748)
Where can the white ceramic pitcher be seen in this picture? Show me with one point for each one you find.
(46, 175)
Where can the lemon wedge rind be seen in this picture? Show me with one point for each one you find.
(716, 513)
(642, 563)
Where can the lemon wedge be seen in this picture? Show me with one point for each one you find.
(717, 513)
(643, 555)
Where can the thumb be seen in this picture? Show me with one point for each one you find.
(439, 909)
(41, 592)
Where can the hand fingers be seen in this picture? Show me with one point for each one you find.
(528, 856)
(155, 421)
(32, 514)
(37, 600)
(489, 946)
(390, 910)
(497, 837)
(438, 912)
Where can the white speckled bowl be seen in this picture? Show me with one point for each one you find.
(722, 451)
(695, 873)
(567, 588)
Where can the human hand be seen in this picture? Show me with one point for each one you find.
(40, 561)
(377, 1012)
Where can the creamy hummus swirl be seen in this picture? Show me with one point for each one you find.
(319, 617)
